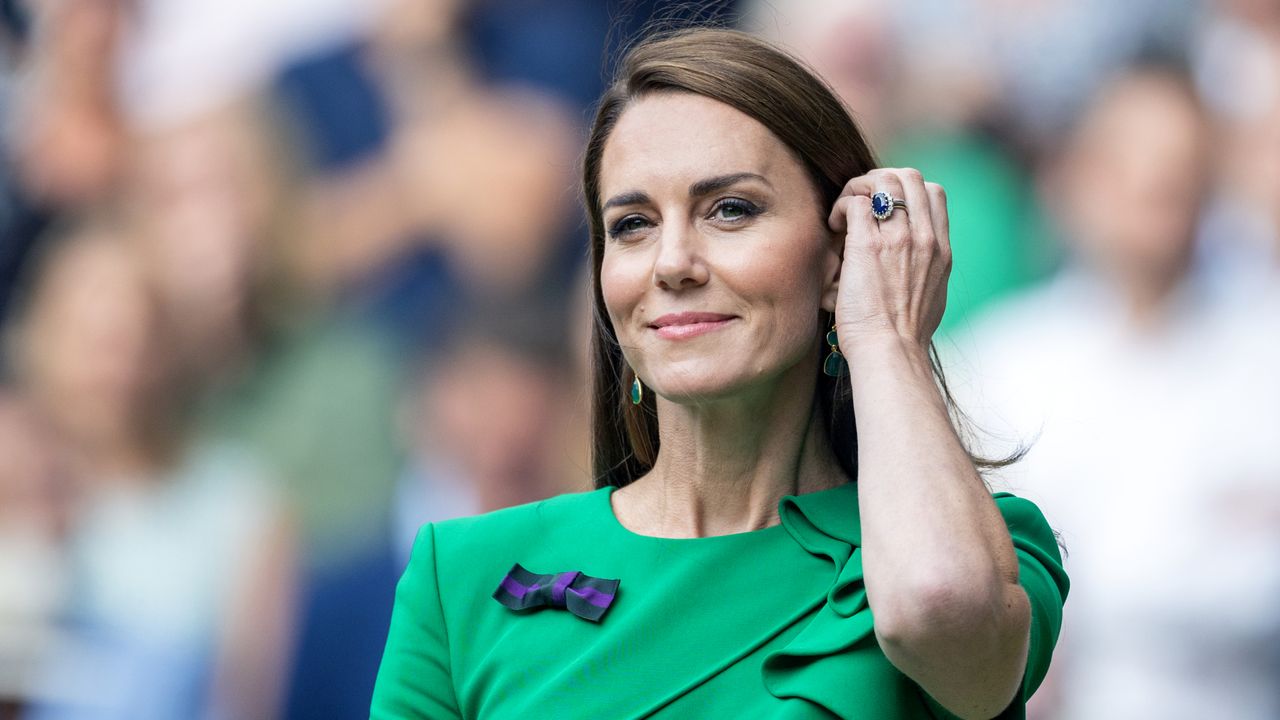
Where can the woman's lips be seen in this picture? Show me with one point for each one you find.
(687, 325)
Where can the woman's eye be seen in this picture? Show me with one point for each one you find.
(733, 209)
(626, 225)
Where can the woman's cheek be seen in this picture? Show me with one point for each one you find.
(621, 287)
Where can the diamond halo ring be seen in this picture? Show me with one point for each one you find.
(883, 204)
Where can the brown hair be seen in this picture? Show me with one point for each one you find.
(776, 89)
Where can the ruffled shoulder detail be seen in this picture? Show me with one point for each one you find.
(823, 663)
(835, 662)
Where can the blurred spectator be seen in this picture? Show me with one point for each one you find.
(490, 178)
(484, 423)
(179, 557)
(203, 195)
(243, 249)
(1152, 400)
(229, 240)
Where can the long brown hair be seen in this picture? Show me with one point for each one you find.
(776, 89)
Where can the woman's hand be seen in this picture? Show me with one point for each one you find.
(893, 279)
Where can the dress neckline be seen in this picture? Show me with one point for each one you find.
(605, 495)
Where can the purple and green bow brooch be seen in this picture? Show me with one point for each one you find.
(585, 596)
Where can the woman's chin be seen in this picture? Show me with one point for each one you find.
(687, 392)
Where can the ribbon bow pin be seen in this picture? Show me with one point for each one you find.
(585, 596)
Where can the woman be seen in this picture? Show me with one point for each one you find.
(728, 565)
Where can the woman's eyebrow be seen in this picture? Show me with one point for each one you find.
(628, 198)
(720, 182)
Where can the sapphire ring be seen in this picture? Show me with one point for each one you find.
(883, 204)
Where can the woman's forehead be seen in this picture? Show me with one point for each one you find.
(676, 138)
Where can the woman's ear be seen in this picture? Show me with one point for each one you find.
(832, 259)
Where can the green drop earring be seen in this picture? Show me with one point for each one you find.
(835, 361)
(637, 391)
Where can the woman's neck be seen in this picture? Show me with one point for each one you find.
(722, 466)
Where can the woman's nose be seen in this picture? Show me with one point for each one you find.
(679, 262)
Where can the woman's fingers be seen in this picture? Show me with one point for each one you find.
(838, 221)
(863, 184)
(918, 213)
(859, 207)
(881, 180)
(925, 219)
(941, 220)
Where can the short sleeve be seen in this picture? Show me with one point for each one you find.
(1041, 575)
(414, 679)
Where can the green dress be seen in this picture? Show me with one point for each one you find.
(772, 623)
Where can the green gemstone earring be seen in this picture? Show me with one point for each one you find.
(835, 361)
(637, 391)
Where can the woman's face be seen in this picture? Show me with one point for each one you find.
(706, 211)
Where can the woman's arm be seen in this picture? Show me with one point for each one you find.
(415, 679)
(940, 568)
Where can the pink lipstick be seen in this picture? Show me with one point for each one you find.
(678, 326)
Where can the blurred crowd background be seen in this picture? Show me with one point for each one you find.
(280, 281)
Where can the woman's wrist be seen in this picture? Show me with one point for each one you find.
(867, 350)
